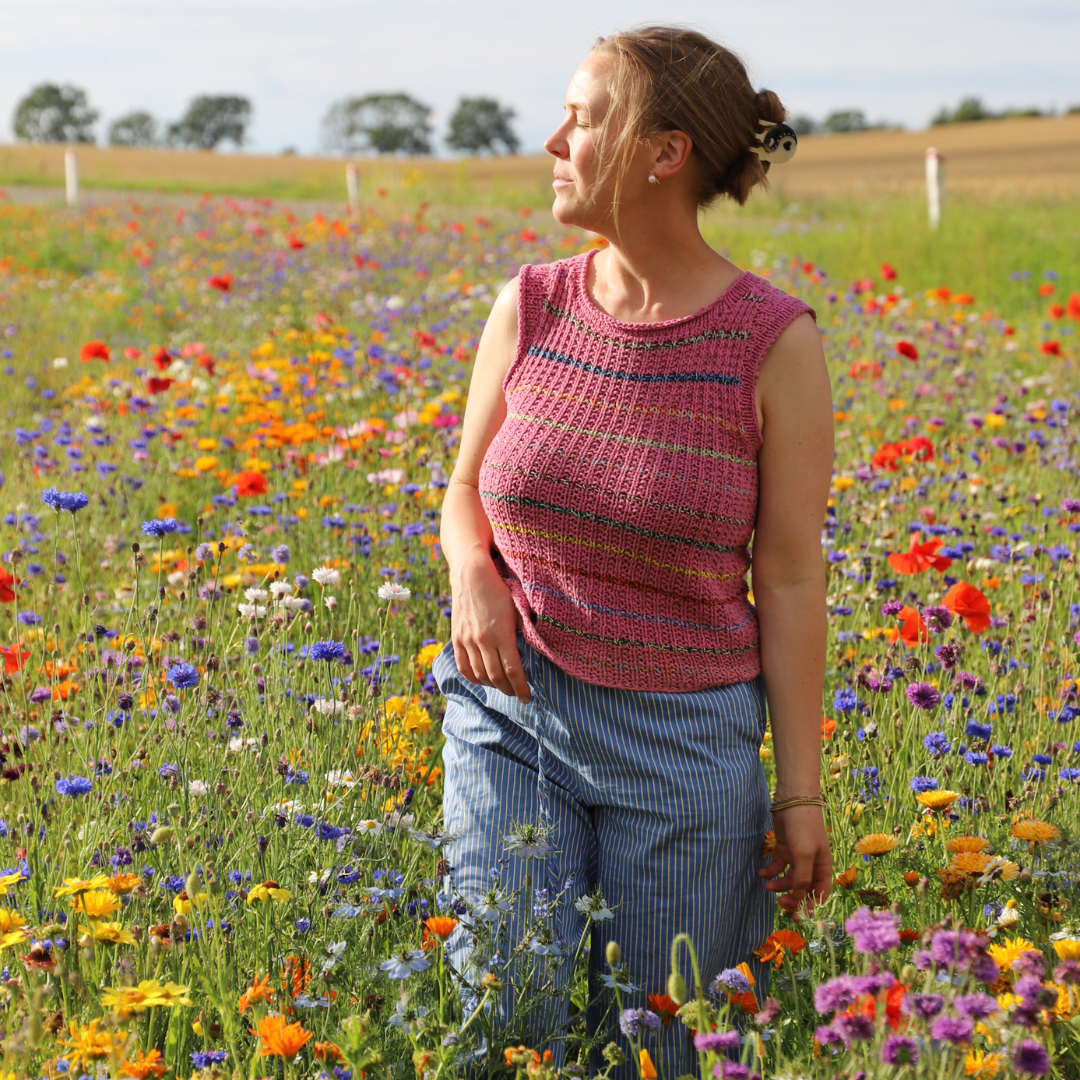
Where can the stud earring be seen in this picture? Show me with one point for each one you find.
(653, 178)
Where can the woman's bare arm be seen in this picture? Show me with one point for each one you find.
(795, 467)
(484, 621)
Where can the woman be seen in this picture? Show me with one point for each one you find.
(635, 415)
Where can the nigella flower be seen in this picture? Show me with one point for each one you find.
(70, 501)
(900, 1050)
(402, 965)
(391, 590)
(635, 1021)
(327, 650)
(77, 785)
(922, 695)
(161, 528)
(529, 842)
(183, 676)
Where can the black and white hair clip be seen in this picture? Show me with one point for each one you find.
(778, 142)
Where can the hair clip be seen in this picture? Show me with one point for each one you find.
(778, 142)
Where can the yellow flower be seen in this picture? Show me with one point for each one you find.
(110, 933)
(971, 862)
(876, 844)
(8, 880)
(981, 1065)
(13, 937)
(88, 1043)
(268, 890)
(937, 800)
(999, 867)
(73, 886)
(206, 463)
(182, 903)
(123, 883)
(1009, 950)
(10, 920)
(428, 653)
(96, 903)
(967, 843)
(1034, 830)
(1067, 949)
(126, 1000)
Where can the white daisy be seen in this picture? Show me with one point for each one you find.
(325, 576)
(254, 595)
(391, 590)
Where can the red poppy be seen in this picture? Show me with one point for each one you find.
(970, 604)
(206, 362)
(828, 726)
(528, 235)
(867, 1005)
(7, 592)
(905, 348)
(131, 353)
(221, 281)
(296, 243)
(14, 658)
(912, 629)
(248, 484)
(920, 448)
(1051, 348)
(1073, 306)
(1056, 311)
(161, 359)
(888, 272)
(158, 386)
(863, 368)
(425, 340)
(94, 350)
(919, 557)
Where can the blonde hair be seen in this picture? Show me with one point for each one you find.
(665, 79)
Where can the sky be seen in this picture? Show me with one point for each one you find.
(898, 61)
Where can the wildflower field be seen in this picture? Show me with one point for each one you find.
(226, 430)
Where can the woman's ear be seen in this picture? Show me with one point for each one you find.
(671, 153)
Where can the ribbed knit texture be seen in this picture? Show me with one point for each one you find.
(622, 486)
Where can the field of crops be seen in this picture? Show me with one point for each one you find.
(226, 432)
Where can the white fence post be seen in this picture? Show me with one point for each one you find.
(352, 186)
(71, 177)
(935, 185)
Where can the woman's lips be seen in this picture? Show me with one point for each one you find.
(560, 182)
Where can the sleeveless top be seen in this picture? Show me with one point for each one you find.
(622, 486)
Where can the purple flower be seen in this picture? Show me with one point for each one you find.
(1071, 506)
(716, 1040)
(1030, 963)
(1031, 1057)
(953, 1029)
(900, 1050)
(891, 607)
(873, 931)
(836, 994)
(771, 1010)
(326, 650)
(158, 529)
(924, 1006)
(733, 1070)
(1068, 973)
(975, 1006)
(71, 501)
(873, 984)
(635, 1021)
(828, 1036)
(732, 980)
(183, 676)
(922, 695)
(857, 1028)
(937, 618)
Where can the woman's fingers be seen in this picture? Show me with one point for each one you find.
(495, 665)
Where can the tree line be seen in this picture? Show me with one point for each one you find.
(387, 123)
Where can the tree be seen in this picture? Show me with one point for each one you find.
(803, 125)
(210, 120)
(385, 123)
(970, 108)
(51, 113)
(845, 120)
(137, 128)
(479, 124)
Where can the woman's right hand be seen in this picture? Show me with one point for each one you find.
(484, 625)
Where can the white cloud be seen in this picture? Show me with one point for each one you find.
(895, 61)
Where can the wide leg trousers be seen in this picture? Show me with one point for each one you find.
(658, 799)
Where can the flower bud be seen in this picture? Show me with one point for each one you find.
(613, 954)
(161, 835)
(676, 988)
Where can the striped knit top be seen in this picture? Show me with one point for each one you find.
(622, 486)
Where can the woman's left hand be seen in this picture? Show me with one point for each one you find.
(802, 849)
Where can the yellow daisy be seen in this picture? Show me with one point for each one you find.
(876, 844)
(1009, 950)
(110, 933)
(73, 886)
(937, 800)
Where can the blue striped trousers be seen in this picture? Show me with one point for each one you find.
(658, 799)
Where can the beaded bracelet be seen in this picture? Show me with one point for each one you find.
(801, 800)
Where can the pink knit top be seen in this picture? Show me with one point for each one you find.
(622, 486)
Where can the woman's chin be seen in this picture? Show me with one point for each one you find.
(567, 213)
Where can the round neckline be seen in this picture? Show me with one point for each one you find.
(660, 324)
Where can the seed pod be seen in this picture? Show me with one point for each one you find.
(676, 988)
(613, 954)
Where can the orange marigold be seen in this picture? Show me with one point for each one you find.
(876, 844)
(145, 1065)
(971, 862)
(442, 926)
(967, 843)
(278, 1038)
(1034, 830)
(847, 878)
(778, 944)
(259, 990)
(937, 800)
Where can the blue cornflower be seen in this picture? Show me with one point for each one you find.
(973, 757)
(1042, 759)
(937, 743)
(183, 676)
(977, 730)
(327, 650)
(920, 784)
(280, 554)
(303, 925)
(845, 700)
(77, 785)
(160, 528)
(203, 1059)
(71, 501)
(1001, 751)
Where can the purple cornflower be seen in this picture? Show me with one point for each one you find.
(1031, 1057)
(975, 1006)
(280, 554)
(873, 931)
(1071, 506)
(635, 1021)
(953, 1029)
(183, 676)
(836, 994)
(857, 1028)
(874, 983)
(949, 655)
(937, 618)
(1030, 963)
(891, 607)
(733, 1070)
(716, 1040)
(924, 1006)
(732, 980)
(922, 695)
(771, 1010)
(1068, 972)
(900, 1050)
(828, 1035)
